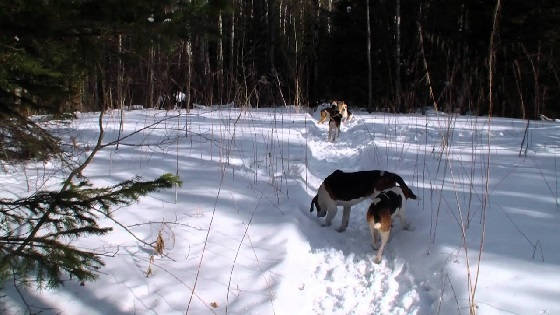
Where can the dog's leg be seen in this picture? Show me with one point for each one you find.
(384, 238)
(345, 218)
(373, 234)
(405, 225)
(338, 130)
(332, 132)
(331, 213)
(375, 238)
(401, 213)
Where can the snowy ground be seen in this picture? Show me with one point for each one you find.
(239, 237)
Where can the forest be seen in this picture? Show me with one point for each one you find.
(399, 56)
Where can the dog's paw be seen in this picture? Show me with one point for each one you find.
(341, 229)
(374, 246)
(326, 224)
(377, 260)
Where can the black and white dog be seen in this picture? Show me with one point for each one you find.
(348, 189)
(389, 203)
(327, 112)
(334, 125)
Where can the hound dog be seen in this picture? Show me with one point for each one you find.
(326, 113)
(334, 126)
(348, 189)
(343, 110)
(389, 203)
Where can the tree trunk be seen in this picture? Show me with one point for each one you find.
(220, 59)
(189, 53)
(232, 62)
(315, 53)
(398, 88)
(370, 71)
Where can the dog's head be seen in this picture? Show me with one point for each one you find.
(342, 107)
(320, 212)
(390, 198)
(395, 194)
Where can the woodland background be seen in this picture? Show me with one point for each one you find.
(62, 56)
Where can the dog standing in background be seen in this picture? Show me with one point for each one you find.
(326, 113)
(336, 114)
(389, 203)
(334, 126)
(343, 110)
(336, 106)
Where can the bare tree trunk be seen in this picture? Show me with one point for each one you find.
(232, 39)
(296, 63)
(120, 96)
(150, 79)
(205, 56)
(517, 75)
(120, 74)
(189, 53)
(329, 22)
(535, 66)
(370, 71)
(492, 58)
(220, 59)
(273, 33)
(425, 61)
(398, 88)
(315, 53)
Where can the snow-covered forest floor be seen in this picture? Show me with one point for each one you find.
(239, 237)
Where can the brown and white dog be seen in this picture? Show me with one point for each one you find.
(389, 203)
(343, 110)
(326, 113)
(336, 106)
(348, 189)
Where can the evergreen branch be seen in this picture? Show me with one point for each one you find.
(68, 181)
(66, 213)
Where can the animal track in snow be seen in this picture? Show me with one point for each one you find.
(353, 284)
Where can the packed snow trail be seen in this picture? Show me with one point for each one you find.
(342, 277)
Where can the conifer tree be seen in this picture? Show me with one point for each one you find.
(46, 50)
(36, 231)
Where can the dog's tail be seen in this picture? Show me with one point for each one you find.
(314, 202)
(407, 192)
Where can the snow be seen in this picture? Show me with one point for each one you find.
(239, 237)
